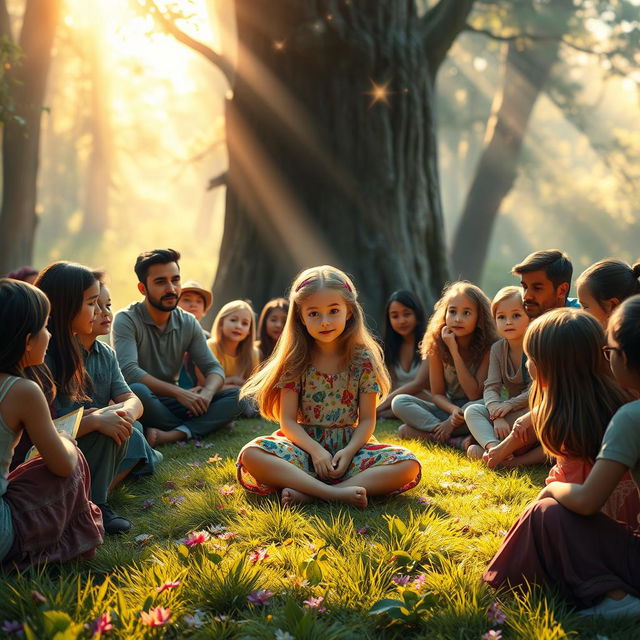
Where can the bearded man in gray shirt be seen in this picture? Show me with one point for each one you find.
(150, 339)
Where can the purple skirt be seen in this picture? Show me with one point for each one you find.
(53, 518)
(582, 557)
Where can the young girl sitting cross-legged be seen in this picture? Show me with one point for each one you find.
(491, 422)
(45, 512)
(322, 384)
(457, 342)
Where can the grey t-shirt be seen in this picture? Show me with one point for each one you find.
(621, 440)
(144, 349)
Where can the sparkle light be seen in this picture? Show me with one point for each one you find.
(278, 45)
(379, 92)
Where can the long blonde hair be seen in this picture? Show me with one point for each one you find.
(484, 335)
(245, 353)
(573, 393)
(294, 349)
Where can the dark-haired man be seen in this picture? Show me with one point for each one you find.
(545, 277)
(151, 338)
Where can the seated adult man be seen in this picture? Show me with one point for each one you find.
(150, 339)
(545, 277)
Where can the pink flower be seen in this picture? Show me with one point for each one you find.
(260, 597)
(227, 535)
(156, 617)
(495, 615)
(258, 555)
(196, 538)
(227, 489)
(168, 585)
(13, 626)
(492, 634)
(101, 625)
(38, 598)
(419, 582)
(401, 581)
(315, 603)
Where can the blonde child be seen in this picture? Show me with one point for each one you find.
(562, 540)
(232, 342)
(457, 342)
(45, 511)
(491, 422)
(322, 384)
(270, 325)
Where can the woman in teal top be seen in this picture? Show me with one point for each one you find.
(45, 512)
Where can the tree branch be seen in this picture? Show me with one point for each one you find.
(441, 26)
(218, 181)
(168, 25)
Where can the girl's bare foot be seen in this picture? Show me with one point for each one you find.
(355, 496)
(496, 455)
(475, 452)
(152, 437)
(290, 497)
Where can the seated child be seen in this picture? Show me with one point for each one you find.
(45, 511)
(270, 325)
(491, 422)
(457, 341)
(321, 385)
(404, 321)
(232, 342)
(196, 300)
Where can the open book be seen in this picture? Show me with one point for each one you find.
(68, 423)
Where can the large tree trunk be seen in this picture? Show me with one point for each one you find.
(526, 71)
(21, 137)
(320, 172)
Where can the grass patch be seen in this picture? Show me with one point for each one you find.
(268, 573)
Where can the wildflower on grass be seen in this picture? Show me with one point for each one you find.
(495, 615)
(168, 585)
(170, 484)
(156, 617)
(195, 463)
(147, 504)
(227, 535)
(182, 443)
(227, 489)
(298, 582)
(176, 500)
(419, 582)
(243, 512)
(425, 500)
(260, 597)
(363, 530)
(196, 620)
(492, 634)
(197, 443)
(13, 627)
(100, 626)
(196, 538)
(401, 581)
(38, 598)
(316, 604)
(258, 555)
(283, 635)
(213, 459)
(208, 445)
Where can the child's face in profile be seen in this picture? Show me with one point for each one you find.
(591, 305)
(103, 318)
(511, 319)
(461, 315)
(275, 323)
(236, 326)
(531, 368)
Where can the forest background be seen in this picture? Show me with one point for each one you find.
(133, 152)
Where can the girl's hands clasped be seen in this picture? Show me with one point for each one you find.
(323, 463)
(341, 462)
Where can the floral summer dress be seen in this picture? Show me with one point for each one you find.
(328, 411)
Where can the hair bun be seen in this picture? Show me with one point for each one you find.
(636, 270)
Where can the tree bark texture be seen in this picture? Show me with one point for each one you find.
(526, 71)
(321, 172)
(21, 138)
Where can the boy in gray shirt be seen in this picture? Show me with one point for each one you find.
(150, 339)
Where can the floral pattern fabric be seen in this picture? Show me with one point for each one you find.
(328, 411)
